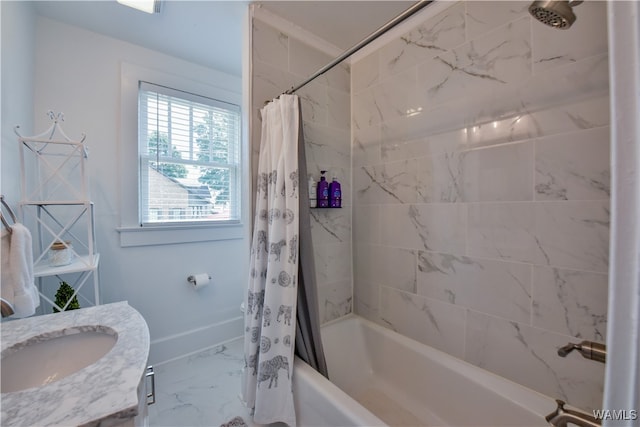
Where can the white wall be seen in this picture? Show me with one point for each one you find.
(79, 73)
(18, 41)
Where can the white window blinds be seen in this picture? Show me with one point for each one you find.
(189, 152)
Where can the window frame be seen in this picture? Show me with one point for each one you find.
(234, 167)
(193, 79)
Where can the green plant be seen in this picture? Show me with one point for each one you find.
(65, 292)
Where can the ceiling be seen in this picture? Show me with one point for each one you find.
(209, 32)
(341, 23)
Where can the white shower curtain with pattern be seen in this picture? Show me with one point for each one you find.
(270, 314)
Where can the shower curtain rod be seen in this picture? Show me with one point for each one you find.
(371, 37)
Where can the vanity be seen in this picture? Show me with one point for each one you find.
(85, 367)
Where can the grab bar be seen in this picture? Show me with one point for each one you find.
(11, 214)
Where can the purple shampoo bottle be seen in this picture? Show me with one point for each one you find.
(335, 194)
(323, 191)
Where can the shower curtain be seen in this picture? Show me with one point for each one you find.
(622, 378)
(270, 314)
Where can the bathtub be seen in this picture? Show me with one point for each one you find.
(381, 378)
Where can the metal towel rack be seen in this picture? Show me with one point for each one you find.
(11, 214)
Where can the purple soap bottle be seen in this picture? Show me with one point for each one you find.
(323, 191)
(335, 194)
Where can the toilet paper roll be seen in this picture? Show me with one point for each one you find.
(199, 280)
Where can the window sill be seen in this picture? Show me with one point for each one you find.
(174, 234)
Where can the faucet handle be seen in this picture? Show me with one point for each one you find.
(563, 351)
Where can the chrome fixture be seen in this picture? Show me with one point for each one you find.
(588, 349)
(5, 308)
(562, 417)
(555, 13)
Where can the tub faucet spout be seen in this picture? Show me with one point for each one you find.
(562, 417)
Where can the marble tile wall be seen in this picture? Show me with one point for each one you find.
(279, 62)
(480, 152)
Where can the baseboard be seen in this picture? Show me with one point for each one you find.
(180, 345)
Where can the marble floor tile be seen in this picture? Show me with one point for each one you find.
(200, 390)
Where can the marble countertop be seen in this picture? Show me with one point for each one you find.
(104, 393)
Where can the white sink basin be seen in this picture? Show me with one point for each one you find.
(43, 359)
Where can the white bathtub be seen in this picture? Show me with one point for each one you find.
(382, 378)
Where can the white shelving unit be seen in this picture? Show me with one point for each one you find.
(57, 203)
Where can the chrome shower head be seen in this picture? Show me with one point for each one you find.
(555, 13)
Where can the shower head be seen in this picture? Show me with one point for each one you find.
(555, 13)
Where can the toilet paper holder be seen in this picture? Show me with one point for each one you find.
(192, 278)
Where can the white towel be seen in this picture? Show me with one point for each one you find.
(5, 275)
(25, 293)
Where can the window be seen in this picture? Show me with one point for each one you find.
(189, 157)
(154, 214)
